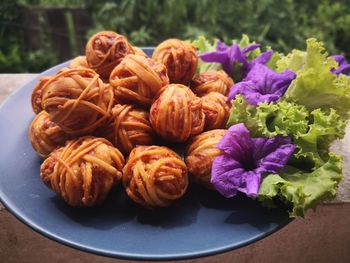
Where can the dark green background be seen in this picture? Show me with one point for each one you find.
(35, 35)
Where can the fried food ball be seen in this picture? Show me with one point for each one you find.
(216, 109)
(177, 114)
(37, 93)
(200, 154)
(45, 135)
(105, 50)
(79, 61)
(139, 51)
(154, 176)
(138, 79)
(180, 59)
(77, 100)
(84, 171)
(210, 81)
(127, 127)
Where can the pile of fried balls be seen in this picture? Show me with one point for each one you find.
(99, 120)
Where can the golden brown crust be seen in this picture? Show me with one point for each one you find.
(139, 51)
(210, 81)
(45, 135)
(216, 110)
(79, 61)
(77, 100)
(154, 176)
(127, 127)
(177, 114)
(84, 171)
(37, 93)
(105, 50)
(200, 154)
(138, 79)
(180, 59)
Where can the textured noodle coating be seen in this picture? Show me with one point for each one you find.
(84, 171)
(45, 135)
(216, 110)
(37, 93)
(138, 79)
(77, 100)
(154, 176)
(177, 114)
(139, 51)
(200, 154)
(105, 50)
(180, 59)
(127, 127)
(79, 61)
(210, 81)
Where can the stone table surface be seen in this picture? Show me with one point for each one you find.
(323, 236)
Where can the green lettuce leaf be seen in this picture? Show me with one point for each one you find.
(270, 119)
(302, 190)
(315, 86)
(311, 132)
(272, 64)
(283, 118)
(314, 113)
(204, 45)
(242, 112)
(313, 146)
(312, 173)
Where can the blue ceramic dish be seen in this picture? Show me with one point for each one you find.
(200, 224)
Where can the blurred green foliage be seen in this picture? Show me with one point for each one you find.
(283, 24)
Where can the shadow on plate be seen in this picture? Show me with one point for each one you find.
(244, 210)
(110, 214)
(119, 209)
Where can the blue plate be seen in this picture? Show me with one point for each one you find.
(202, 223)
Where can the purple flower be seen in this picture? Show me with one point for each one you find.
(262, 84)
(229, 56)
(343, 65)
(245, 160)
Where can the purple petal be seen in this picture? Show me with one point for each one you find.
(340, 59)
(221, 46)
(251, 92)
(244, 160)
(343, 65)
(268, 80)
(264, 146)
(344, 69)
(262, 85)
(256, 98)
(272, 153)
(227, 56)
(215, 56)
(240, 88)
(226, 175)
(263, 58)
(251, 184)
(236, 54)
(236, 142)
(250, 47)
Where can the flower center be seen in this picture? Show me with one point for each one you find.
(247, 162)
(249, 165)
